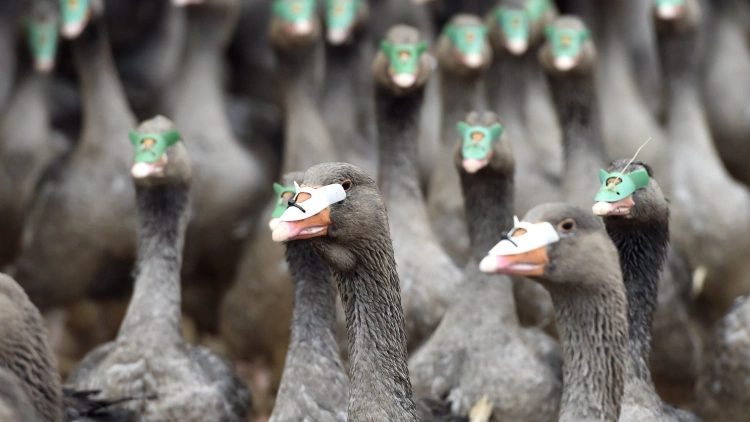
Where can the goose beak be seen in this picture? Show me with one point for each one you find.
(473, 61)
(564, 63)
(44, 65)
(314, 226)
(146, 170)
(529, 264)
(621, 207)
(404, 80)
(517, 47)
(272, 223)
(181, 3)
(302, 28)
(73, 30)
(668, 11)
(337, 36)
(472, 165)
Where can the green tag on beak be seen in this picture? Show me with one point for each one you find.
(403, 58)
(617, 186)
(566, 42)
(467, 39)
(514, 23)
(294, 11)
(74, 11)
(669, 2)
(340, 14)
(281, 205)
(43, 39)
(477, 140)
(149, 147)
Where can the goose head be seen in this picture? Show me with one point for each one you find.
(401, 64)
(568, 49)
(676, 16)
(339, 208)
(463, 46)
(283, 193)
(343, 19)
(483, 142)
(628, 192)
(554, 244)
(42, 28)
(76, 14)
(160, 156)
(294, 22)
(518, 25)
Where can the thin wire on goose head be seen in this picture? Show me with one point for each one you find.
(476, 149)
(298, 16)
(341, 18)
(42, 29)
(615, 196)
(468, 41)
(150, 152)
(403, 61)
(669, 9)
(75, 15)
(515, 23)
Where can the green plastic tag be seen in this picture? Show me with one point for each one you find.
(617, 186)
(404, 58)
(294, 11)
(281, 205)
(566, 42)
(514, 23)
(467, 39)
(43, 39)
(340, 14)
(477, 140)
(669, 2)
(74, 11)
(537, 8)
(149, 147)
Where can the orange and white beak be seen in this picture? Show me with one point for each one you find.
(141, 170)
(621, 207)
(523, 251)
(472, 165)
(310, 213)
(527, 264)
(314, 226)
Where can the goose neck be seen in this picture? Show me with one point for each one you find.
(156, 301)
(642, 248)
(375, 324)
(103, 97)
(460, 94)
(299, 73)
(398, 131)
(508, 85)
(488, 201)
(593, 333)
(577, 105)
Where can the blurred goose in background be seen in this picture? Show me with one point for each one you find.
(226, 195)
(10, 22)
(149, 354)
(479, 340)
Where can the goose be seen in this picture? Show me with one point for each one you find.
(726, 67)
(149, 354)
(261, 332)
(226, 195)
(428, 275)
(348, 106)
(10, 19)
(636, 216)
(15, 405)
(464, 55)
(27, 144)
(78, 238)
(705, 227)
(568, 251)
(479, 340)
(313, 356)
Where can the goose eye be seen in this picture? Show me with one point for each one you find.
(148, 142)
(347, 185)
(518, 232)
(567, 225)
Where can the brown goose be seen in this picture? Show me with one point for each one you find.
(479, 340)
(225, 195)
(464, 55)
(78, 239)
(636, 216)
(568, 251)
(149, 354)
(428, 275)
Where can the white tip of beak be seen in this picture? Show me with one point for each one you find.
(517, 47)
(282, 232)
(601, 208)
(667, 11)
(272, 223)
(337, 36)
(472, 166)
(44, 65)
(72, 30)
(473, 60)
(404, 80)
(303, 27)
(564, 64)
(143, 170)
(181, 3)
(488, 264)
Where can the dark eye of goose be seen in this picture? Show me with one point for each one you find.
(347, 185)
(567, 225)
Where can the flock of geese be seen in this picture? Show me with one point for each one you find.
(374, 210)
